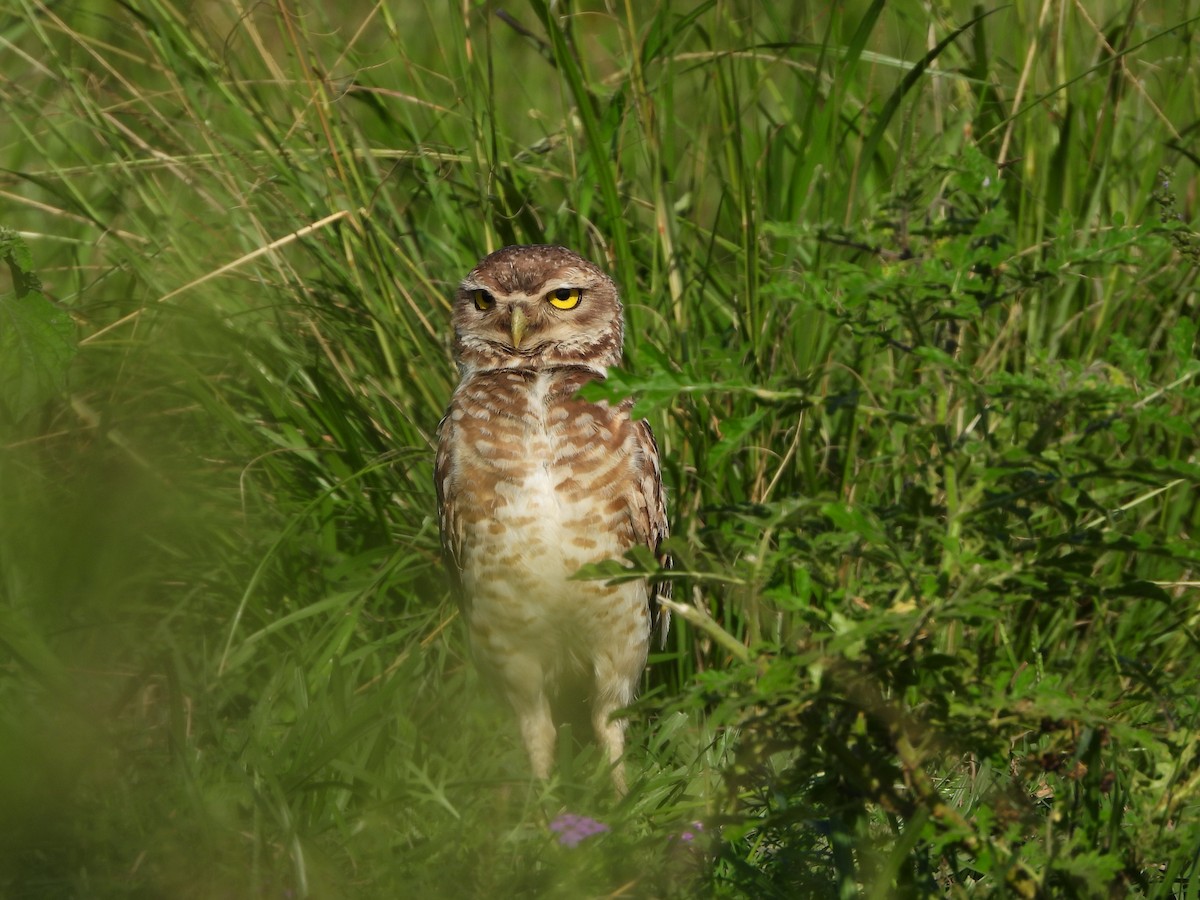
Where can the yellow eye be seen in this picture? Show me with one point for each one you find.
(565, 298)
(483, 300)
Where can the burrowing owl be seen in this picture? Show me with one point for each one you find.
(533, 483)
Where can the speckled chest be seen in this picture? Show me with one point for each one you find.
(538, 478)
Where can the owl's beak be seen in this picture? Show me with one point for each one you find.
(518, 325)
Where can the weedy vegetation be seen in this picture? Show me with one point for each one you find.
(912, 305)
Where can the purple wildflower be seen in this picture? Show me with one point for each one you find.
(690, 833)
(572, 828)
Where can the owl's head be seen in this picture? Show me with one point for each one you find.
(537, 306)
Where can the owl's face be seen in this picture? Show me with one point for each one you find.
(533, 307)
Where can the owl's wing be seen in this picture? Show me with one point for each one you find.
(449, 524)
(653, 529)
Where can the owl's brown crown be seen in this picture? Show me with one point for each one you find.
(537, 306)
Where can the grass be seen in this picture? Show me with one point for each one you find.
(912, 307)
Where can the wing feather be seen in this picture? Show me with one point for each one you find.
(654, 529)
(449, 525)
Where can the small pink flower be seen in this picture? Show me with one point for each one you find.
(572, 828)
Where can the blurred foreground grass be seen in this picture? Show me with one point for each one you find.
(912, 301)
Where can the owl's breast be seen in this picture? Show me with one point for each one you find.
(537, 476)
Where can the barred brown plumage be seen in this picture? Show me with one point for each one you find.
(534, 482)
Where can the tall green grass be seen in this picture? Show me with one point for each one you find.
(912, 308)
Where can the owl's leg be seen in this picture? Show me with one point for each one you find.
(525, 686)
(537, 730)
(612, 692)
(611, 735)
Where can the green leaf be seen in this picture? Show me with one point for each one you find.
(658, 391)
(1182, 340)
(37, 339)
(20, 262)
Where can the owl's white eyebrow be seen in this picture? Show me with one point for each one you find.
(562, 281)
